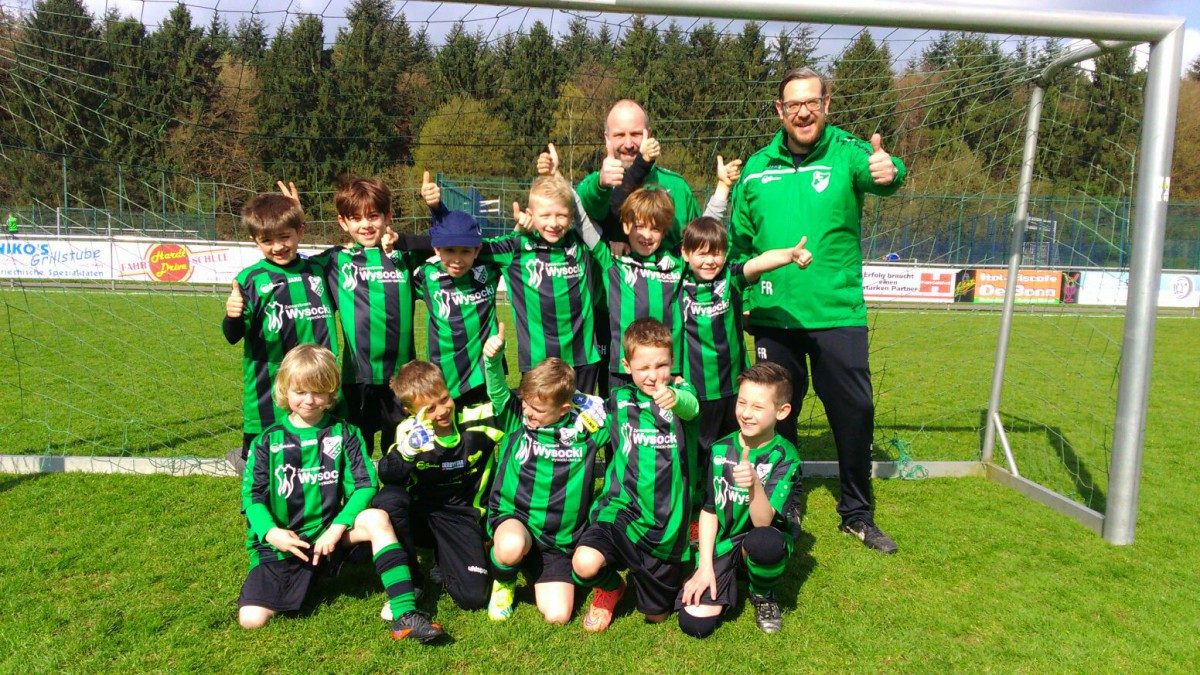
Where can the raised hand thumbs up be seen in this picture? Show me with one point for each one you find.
(743, 472)
(800, 255)
(430, 191)
(547, 162)
(234, 305)
(664, 396)
(522, 220)
(494, 344)
(728, 172)
(611, 170)
(883, 171)
(651, 148)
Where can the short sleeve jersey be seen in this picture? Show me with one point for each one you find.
(373, 294)
(550, 286)
(545, 476)
(775, 464)
(713, 348)
(462, 315)
(647, 485)
(303, 476)
(638, 287)
(284, 306)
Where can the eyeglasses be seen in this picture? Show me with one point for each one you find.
(793, 107)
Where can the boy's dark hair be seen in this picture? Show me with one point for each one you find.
(649, 204)
(769, 374)
(705, 234)
(804, 73)
(271, 212)
(358, 196)
(552, 381)
(417, 380)
(646, 332)
(310, 367)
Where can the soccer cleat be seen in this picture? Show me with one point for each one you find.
(415, 625)
(386, 612)
(870, 535)
(766, 613)
(500, 606)
(600, 615)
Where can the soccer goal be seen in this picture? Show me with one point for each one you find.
(1013, 283)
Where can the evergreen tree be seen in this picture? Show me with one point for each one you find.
(219, 38)
(794, 50)
(462, 63)
(747, 61)
(863, 91)
(532, 78)
(635, 61)
(576, 48)
(249, 41)
(135, 115)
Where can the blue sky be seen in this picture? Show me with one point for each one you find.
(438, 17)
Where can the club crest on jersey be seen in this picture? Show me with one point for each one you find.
(331, 447)
(567, 435)
(763, 470)
(285, 475)
(349, 277)
(442, 298)
(572, 250)
(666, 415)
(666, 263)
(820, 180)
(316, 285)
(719, 288)
(479, 274)
(534, 269)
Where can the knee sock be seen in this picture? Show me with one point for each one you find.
(392, 565)
(606, 580)
(766, 558)
(503, 573)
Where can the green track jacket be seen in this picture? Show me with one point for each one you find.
(776, 202)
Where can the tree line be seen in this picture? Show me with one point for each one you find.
(143, 117)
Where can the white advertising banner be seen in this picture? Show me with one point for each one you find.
(885, 283)
(55, 259)
(1111, 289)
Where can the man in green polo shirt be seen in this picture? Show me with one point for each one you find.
(810, 181)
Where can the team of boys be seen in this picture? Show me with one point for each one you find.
(689, 425)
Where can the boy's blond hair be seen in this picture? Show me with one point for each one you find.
(551, 381)
(270, 213)
(651, 205)
(646, 332)
(308, 367)
(358, 196)
(418, 380)
(770, 374)
(705, 235)
(553, 189)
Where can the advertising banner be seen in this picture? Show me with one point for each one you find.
(886, 283)
(1033, 286)
(55, 259)
(178, 262)
(1111, 289)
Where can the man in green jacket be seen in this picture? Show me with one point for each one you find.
(625, 127)
(810, 180)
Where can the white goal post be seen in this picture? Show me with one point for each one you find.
(1102, 31)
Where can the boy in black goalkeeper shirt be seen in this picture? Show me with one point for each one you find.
(436, 479)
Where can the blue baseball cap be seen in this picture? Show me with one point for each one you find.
(456, 228)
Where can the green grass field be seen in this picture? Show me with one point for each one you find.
(136, 573)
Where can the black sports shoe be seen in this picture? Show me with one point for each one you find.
(415, 625)
(766, 613)
(870, 535)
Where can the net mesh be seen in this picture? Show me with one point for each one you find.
(159, 121)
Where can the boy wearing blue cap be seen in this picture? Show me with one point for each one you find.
(461, 297)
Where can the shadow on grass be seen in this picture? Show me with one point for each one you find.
(17, 481)
(1086, 489)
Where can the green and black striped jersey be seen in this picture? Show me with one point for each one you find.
(373, 295)
(713, 347)
(545, 476)
(456, 474)
(550, 287)
(284, 307)
(637, 288)
(304, 479)
(462, 315)
(647, 487)
(775, 463)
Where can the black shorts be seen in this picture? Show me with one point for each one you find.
(373, 408)
(586, 377)
(725, 570)
(658, 583)
(544, 564)
(717, 420)
(282, 585)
